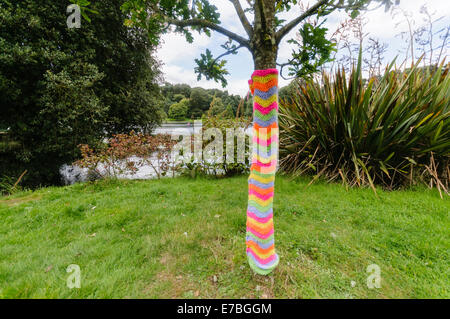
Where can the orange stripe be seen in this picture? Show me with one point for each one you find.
(271, 126)
(265, 86)
(258, 249)
(264, 229)
(265, 170)
(261, 191)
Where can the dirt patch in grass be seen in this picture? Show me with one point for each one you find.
(175, 283)
(20, 200)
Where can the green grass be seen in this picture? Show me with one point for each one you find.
(185, 238)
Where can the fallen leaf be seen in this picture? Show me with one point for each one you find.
(49, 268)
(92, 235)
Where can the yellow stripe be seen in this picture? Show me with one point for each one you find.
(264, 256)
(266, 225)
(262, 179)
(262, 133)
(264, 159)
(264, 79)
(260, 201)
(265, 103)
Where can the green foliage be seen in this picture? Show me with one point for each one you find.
(200, 101)
(221, 167)
(84, 8)
(314, 50)
(199, 98)
(388, 132)
(61, 87)
(264, 36)
(210, 68)
(179, 111)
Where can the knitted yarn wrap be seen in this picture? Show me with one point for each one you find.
(260, 240)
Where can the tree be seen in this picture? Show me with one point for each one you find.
(200, 101)
(264, 35)
(61, 87)
(262, 39)
(179, 111)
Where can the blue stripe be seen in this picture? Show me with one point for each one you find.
(266, 95)
(261, 185)
(258, 213)
(262, 245)
(265, 123)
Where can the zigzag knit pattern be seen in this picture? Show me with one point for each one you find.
(260, 240)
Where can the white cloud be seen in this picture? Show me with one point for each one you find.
(178, 55)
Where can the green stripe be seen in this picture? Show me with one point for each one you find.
(263, 175)
(259, 270)
(266, 117)
(264, 241)
(262, 209)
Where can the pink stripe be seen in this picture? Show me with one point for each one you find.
(259, 235)
(260, 196)
(264, 72)
(263, 142)
(260, 219)
(259, 259)
(266, 110)
(273, 163)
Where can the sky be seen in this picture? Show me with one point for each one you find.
(177, 55)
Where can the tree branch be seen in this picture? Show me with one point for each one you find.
(241, 14)
(226, 53)
(210, 25)
(291, 25)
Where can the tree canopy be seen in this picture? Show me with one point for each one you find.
(61, 87)
(260, 19)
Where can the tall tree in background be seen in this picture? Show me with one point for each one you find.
(61, 87)
(263, 38)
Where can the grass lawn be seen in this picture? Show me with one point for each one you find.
(185, 238)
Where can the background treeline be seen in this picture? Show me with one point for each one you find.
(180, 102)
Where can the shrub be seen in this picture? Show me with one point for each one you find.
(178, 111)
(219, 166)
(392, 131)
(126, 153)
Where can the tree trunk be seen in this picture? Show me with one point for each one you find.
(265, 58)
(260, 239)
(263, 42)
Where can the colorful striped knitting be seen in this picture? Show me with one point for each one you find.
(260, 235)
